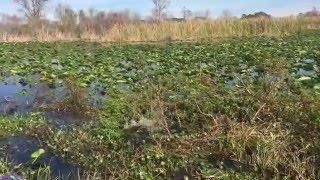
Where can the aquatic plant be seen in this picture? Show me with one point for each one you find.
(75, 102)
(238, 109)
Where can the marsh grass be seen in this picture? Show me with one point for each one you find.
(266, 125)
(269, 150)
(268, 135)
(193, 30)
(75, 103)
(5, 165)
(197, 30)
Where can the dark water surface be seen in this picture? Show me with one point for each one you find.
(19, 150)
(20, 98)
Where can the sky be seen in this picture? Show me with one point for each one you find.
(277, 8)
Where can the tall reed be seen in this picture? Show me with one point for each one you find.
(187, 30)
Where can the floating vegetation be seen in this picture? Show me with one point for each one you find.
(235, 109)
(307, 72)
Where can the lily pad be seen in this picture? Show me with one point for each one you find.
(304, 79)
(317, 87)
(37, 154)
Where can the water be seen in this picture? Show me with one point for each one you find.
(21, 97)
(12, 176)
(235, 79)
(20, 149)
(307, 67)
(309, 73)
(12, 100)
(304, 68)
(17, 97)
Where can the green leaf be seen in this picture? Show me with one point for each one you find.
(317, 87)
(83, 85)
(37, 154)
(304, 78)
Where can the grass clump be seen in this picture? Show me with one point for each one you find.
(75, 103)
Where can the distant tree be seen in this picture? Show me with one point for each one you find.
(97, 22)
(5, 18)
(226, 14)
(256, 15)
(135, 17)
(186, 13)
(32, 9)
(92, 12)
(67, 18)
(313, 13)
(202, 15)
(11, 24)
(207, 14)
(159, 9)
(82, 18)
(82, 15)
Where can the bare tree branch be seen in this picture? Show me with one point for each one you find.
(160, 6)
(32, 9)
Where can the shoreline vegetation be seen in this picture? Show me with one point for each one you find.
(166, 31)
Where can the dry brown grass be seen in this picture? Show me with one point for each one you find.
(190, 30)
(195, 30)
(266, 146)
(269, 149)
(272, 150)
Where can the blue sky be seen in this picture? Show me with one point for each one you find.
(237, 7)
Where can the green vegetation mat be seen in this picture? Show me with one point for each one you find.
(235, 109)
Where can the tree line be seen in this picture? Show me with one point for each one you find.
(69, 21)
